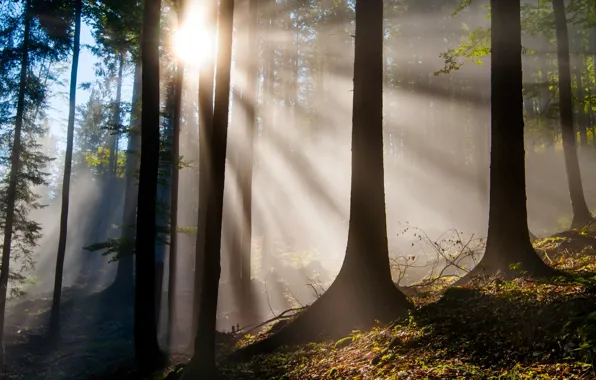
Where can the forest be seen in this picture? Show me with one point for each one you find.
(297, 189)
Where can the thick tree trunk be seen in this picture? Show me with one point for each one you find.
(173, 262)
(123, 283)
(147, 350)
(363, 291)
(203, 362)
(15, 166)
(54, 328)
(581, 214)
(508, 240)
(206, 77)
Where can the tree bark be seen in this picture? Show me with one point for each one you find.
(147, 350)
(15, 167)
(203, 362)
(581, 213)
(508, 240)
(363, 290)
(54, 327)
(206, 78)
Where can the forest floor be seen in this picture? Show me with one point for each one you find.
(522, 329)
(95, 335)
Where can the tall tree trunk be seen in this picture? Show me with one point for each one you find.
(581, 214)
(203, 362)
(123, 283)
(508, 240)
(179, 81)
(206, 78)
(363, 290)
(246, 171)
(15, 167)
(147, 350)
(54, 328)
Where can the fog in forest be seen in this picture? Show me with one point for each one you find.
(436, 159)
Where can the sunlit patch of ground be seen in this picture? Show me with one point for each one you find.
(523, 329)
(570, 250)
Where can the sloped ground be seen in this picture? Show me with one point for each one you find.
(517, 329)
(570, 249)
(524, 329)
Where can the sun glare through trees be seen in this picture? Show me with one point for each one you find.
(193, 40)
(280, 189)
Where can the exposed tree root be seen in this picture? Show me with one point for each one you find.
(509, 267)
(348, 304)
(281, 316)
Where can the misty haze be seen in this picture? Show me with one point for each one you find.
(267, 189)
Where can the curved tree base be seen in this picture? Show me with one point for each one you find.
(350, 303)
(509, 266)
(580, 221)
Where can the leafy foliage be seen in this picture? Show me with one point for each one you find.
(475, 46)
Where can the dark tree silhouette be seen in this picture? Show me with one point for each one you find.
(173, 262)
(147, 350)
(363, 290)
(581, 213)
(205, 100)
(15, 164)
(508, 240)
(54, 328)
(203, 362)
